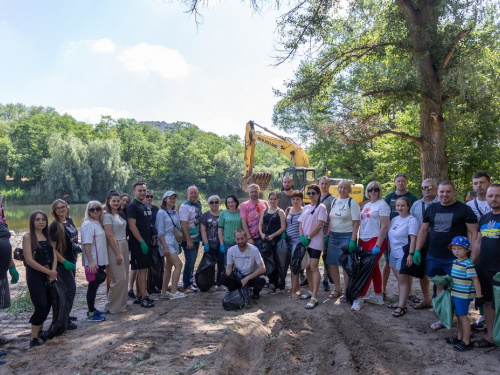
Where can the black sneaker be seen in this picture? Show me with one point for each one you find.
(326, 286)
(34, 343)
(71, 326)
(267, 285)
(137, 300)
(275, 291)
(304, 283)
(148, 299)
(73, 318)
(147, 303)
(255, 297)
(131, 294)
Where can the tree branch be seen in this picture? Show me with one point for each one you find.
(389, 91)
(462, 34)
(417, 140)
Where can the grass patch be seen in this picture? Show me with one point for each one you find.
(21, 304)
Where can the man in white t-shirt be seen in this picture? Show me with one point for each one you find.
(481, 181)
(245, 258)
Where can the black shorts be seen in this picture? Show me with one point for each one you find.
(485, 277)
(138, 260)
(313, 253)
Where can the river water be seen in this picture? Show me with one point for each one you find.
(18, 215)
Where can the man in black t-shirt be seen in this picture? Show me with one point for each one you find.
(442, 222)
(139, 242)
(486, 256)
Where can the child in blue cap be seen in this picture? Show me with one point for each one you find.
(465, 288)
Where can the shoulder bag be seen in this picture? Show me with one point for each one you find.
(177, 232)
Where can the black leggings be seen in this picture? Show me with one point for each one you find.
(92, 292)
(40, 295)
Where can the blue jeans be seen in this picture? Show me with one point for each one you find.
(190, 256)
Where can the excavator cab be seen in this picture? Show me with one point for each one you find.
(302, 177)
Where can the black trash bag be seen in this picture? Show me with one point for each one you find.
(349, 262)
(414, 270)
(282, 260)
(155, 271)
(296, 261)
(60, 310)
(356, 284)
(266, 251)
(236, 300)
(205, 274)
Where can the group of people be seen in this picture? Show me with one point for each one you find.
(428, 230)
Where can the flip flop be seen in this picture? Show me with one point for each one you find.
(436, 326)
(413, 299)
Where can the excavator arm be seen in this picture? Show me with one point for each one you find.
(282, 144)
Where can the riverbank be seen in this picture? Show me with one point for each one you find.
(276, 335)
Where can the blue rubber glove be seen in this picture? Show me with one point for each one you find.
(14, 274)
(352, 246)
(375, 250)
(327, 239)
(180, 248)
(144, 247)
(304, 241)
(223, 249)
(68, 265)
(417, 257)
(206, 248)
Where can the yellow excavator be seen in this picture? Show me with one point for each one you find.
(301, 172)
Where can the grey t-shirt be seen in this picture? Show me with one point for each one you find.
(327, 201)
(247, 261)
(119, 225)
(285, 201)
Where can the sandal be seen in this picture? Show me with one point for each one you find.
(413, 299)
(335, 294)
(400, 311)
(422, 305)
(453, 340)
(462, 346)
(483, 343)
(306, 296)
(343, 298)
(436, 326)
(311, 305)
(393, 305)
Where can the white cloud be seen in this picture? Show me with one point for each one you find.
(93, 115)
(102, 45)
(145, 59)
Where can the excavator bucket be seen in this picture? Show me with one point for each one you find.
(263, 179)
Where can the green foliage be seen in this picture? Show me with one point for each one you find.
(21, 303)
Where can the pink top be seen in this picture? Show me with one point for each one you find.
(309, 222)
(252, 212)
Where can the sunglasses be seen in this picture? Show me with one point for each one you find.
(312, 193)
(149, 196)
(424, 188)
(374, 189)
(95, 209)
(214, 202)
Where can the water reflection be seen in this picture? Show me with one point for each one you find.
(18, 215)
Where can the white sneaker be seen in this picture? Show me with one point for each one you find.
(357, 304)
(213, 289)
(165, 295)
(177, 295)
(376, 300)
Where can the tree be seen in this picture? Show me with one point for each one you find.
(382, 67)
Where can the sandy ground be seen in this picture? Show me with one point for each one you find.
(275, 336)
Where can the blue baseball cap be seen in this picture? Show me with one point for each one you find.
(460, 241)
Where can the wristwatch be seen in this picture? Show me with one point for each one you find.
(411, 253)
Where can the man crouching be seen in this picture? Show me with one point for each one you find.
(246, 259)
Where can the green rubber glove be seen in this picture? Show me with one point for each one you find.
(180, 248)
(327, 239)
(352, 246)
(14, 274)
(304, 241)
(68, 265)
(417, 257)
(144, 247)
(283, 236)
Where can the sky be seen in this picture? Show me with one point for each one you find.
(143, 59)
